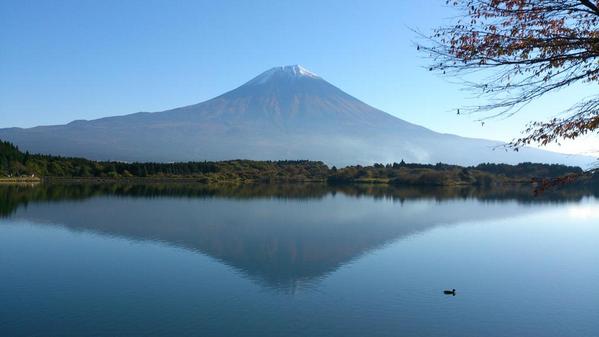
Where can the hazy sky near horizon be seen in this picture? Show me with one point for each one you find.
(82, 59)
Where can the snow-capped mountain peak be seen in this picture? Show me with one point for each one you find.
(291, 71)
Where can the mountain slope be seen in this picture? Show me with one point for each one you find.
(284, 113)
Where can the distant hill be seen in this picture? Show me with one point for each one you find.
(284, 113)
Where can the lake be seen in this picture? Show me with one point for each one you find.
(297, 260)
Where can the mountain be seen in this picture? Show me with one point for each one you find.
(284, 113)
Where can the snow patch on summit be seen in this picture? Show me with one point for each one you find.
(299, 70)
(283, 71)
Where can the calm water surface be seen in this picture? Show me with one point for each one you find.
(296, 261)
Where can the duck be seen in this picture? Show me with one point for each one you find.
(449, 292)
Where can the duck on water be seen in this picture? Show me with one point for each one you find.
(449, 292)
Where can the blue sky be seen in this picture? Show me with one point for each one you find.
(83, 59)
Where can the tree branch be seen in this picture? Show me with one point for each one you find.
(588, 4)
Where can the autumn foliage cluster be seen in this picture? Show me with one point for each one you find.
(522, 50)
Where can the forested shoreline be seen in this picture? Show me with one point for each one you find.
(15, 165)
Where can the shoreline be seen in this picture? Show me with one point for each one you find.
(207, 181)
(19, 180)
(195, 180)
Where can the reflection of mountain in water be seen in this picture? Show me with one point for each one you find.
(279, 236)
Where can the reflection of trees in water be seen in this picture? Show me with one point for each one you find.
(13, 196)
(520, 193)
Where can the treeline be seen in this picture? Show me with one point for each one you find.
(14, 163)
(443, 174)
